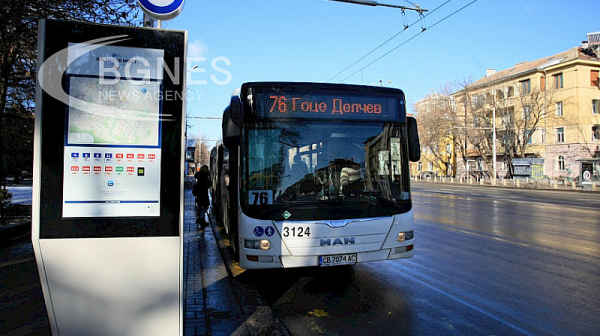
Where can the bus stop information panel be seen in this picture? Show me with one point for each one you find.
(111, 151)
(108, 186)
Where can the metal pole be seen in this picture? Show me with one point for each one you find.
(494, 145)
(148, 21)
(545, 108)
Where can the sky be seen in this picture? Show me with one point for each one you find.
(231, 42)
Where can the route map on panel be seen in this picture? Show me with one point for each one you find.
(124, 113)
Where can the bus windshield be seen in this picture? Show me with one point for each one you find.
(306, 170)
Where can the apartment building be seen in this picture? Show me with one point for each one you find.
(548, 108)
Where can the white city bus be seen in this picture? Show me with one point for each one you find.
(318, 174)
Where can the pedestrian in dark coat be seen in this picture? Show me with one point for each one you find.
(200, 190)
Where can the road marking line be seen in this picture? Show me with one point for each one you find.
(477, 304)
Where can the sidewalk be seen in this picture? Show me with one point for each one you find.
(214, 302)
(509, 183)
(210, 304)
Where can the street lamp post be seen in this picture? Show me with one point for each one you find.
(494, 164)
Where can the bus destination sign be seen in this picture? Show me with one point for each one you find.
(320, 106)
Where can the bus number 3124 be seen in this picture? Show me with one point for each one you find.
(296, 231)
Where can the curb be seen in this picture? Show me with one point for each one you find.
(262, 322)
(508, 187)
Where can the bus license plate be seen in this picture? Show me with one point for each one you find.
(340, 259)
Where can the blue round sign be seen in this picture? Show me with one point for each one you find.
(269, 231)
(259, 231)
(161, 9)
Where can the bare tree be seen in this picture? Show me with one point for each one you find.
(474, 123)
(202, 152)
(437, 120)
(520, 117)
(18, 55)
(520, 110)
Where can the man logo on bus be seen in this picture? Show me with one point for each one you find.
(338, 241)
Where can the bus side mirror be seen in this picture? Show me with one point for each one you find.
(231, 132)
(414, 147)
(236, 110)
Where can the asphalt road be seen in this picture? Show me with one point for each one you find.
(488, 261)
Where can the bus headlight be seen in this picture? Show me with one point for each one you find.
(257, 244)
(402, 236)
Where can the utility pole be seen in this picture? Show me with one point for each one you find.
(494, 164)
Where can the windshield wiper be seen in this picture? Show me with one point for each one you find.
(375, 197)
(285, 203)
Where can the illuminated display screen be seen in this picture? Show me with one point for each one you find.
(273, 104)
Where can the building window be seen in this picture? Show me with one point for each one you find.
(543, 133)
(507, 117)
(510, 91)
(478, 101)
(594, 78)
(419, 166)
(558, 81)
(476, 121)
(561, 162)
(526, 112)
(499, 94)
(595, 106)
(560, 134)
(528, 136)
(595, 132)
(430, 166)
(559, 109)
(525, 86)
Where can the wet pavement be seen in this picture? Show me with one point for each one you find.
(488, 261)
